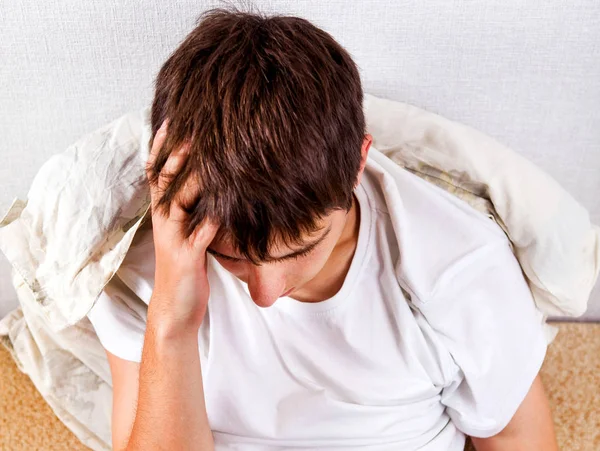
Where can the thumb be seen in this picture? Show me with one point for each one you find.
(204, 234)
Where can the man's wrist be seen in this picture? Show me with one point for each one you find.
(165, 327)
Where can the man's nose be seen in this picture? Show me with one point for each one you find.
(265, 284)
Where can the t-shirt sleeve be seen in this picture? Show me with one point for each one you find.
(486, 317)
(119, 317)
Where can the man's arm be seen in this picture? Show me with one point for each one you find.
(125, 386)
(171, 411)
(530, 429)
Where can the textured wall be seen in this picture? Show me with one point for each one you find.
(525, 72)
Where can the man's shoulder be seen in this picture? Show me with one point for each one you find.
(438, 233)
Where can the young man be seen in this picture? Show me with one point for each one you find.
(262, 309)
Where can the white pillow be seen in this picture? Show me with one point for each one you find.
(551, 234)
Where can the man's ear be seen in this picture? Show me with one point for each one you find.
(364, 150)
(367, 141)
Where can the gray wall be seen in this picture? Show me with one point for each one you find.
(525, 72)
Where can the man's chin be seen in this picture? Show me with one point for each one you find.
(264, 304)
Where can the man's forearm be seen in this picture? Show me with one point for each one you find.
(171, 411)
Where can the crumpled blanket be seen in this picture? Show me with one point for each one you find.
(67, 240)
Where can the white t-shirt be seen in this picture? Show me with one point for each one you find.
(374, 367)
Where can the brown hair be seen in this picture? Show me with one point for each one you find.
(271, 108)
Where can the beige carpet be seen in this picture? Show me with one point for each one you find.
(571, 375)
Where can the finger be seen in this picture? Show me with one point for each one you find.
(174, 162)
(188, 194)
(205, 233)
(185, 198)
(157, 143)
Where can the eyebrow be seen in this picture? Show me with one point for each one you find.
(307, 248)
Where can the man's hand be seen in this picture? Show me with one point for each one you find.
(181, 288)
(171, 409)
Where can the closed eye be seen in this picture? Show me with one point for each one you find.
(304, 253)
(293, 256)
(297, 256)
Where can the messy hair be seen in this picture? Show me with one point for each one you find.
(271, 109)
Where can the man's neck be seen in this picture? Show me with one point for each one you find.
(350, 233)
(332, 276)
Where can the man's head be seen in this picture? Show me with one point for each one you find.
(270, 109)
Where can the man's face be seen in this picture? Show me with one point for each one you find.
(269, 281)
